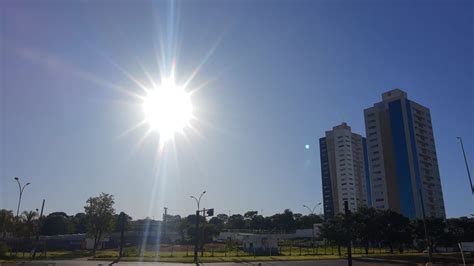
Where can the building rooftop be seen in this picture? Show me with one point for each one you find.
(343, 125)
(393, 94)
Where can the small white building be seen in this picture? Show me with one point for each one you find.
(223, 236)
(260, 244)
(100, 245)
(266, 244)
(467, 246)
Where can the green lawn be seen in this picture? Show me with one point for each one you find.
(110, 255)
(247, 258)
(51, 255)
(179, 254)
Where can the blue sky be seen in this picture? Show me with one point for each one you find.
(280, 72)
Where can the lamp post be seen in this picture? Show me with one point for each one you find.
(313, 209)
(467, 167)
(427, 237)
(21, 188)
(349, 233)
(312, 213)
(196, 242)
(320, 212)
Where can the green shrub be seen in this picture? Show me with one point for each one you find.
(130, 252)
(4, 249)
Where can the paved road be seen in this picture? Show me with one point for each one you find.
(358, 262)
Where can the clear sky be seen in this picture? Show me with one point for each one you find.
(279, 74)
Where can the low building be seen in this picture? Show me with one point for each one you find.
(260, 244)
(103, 243)
(63, 242)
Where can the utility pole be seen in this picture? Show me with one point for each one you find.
(196, 243)
(165, 217)
(467, 166)
(349, 233)
(121, 220)
(40, 226)
(122, 229)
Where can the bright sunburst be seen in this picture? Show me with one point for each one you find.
(167, 108)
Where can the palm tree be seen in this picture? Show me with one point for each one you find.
(29, 223)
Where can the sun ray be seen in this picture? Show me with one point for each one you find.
(142, 139)
(131, 129)
(203, 61)
(201, 86)
(148, 75)
(112, 62)
(59, 65)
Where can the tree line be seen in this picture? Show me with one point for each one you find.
(367, 227)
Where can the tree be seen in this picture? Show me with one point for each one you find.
(395, 230)
(223, 217)
(335, 231)
(206, 233)
(437, 234)
(253, 221)
(100, 216)
(192, 219)
(172, 222)
(217, 223)
(250, 215)
(118, 225)
(29, 225)
(461, 229)
(284, 221)
(307, 221)
(183, 227)
(236, 221)
(6, 222)
(80, 223)
(268, 223)
(57, 223)
(366, 227)
(257, 222)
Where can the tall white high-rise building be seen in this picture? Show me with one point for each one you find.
(344, 170)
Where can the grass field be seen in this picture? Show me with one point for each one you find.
(212, 254)
(110, 255)
(183, 256)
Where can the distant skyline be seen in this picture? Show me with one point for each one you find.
(277, 75)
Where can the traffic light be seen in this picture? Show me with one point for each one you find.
(210, 212)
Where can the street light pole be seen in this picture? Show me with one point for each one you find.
(427, 238)
(467, 166)
(196, 242)
(312, 213)
(165, 220)
(349, 234)
(313, 209)
(21, 188)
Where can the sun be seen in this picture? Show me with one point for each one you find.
(167, 108)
